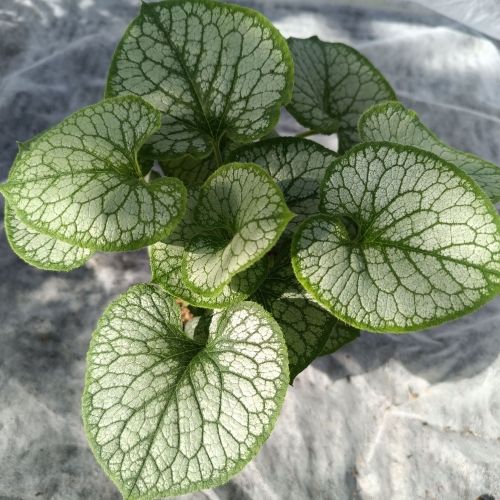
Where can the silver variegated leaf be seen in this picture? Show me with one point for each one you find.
(80, 181)
(405, 241)
(310, 330)
(214, 69)
(166, 263)
(240, 215)
(166, 415)
(297, 165)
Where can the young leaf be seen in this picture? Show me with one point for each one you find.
(80, 181)
(166, 259)
(307, 327)
(198, 327)
(406, 241)
(334, 84)
(297, 165)
(215, 69)
(392, 122)
(242, 213)
(166, 415)
(40, 250)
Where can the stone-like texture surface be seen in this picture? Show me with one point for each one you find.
(401, 417)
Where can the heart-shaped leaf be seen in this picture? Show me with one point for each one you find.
(307, 327)
(166, 415)
(406, 241)
(240, 214)
(166, 261)
(80, 181)
(297, 165)
(334, 84)
(40, 250)
(215, 70)
(394, 123)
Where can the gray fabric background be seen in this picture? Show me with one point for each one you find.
(389, 417)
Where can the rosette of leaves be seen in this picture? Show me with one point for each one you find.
(280, 248)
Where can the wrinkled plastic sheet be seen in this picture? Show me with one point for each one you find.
(413, 416)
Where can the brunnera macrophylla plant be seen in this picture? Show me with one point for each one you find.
(282, 248)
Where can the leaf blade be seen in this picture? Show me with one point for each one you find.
(80, 181)
(165, 459)
(210, 85)
(404, 269)
(40, 250)
(166, 265)
(243, 213)
(309, 329)
(297, 165)
(334, 84)
(340, 336)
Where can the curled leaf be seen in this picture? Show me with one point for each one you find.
(240, 214)
(166, 264)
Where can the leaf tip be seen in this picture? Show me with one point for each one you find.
(4, 188)
(145, 6)
(289, 215)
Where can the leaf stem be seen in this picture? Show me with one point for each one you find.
(217, 153)
(306, 133)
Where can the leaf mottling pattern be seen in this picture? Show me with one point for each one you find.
(307, 327)
(214, 69)
(166, 262)
(393, 122)
(80, 181)
(297, 165)
(191, 171)
(40, 250)
(242, 213)
(406, 241)
(334, 84)
(166, 415)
